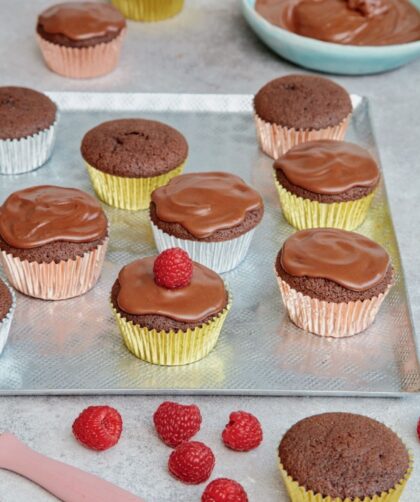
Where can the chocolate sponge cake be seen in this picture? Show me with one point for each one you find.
(343, 456)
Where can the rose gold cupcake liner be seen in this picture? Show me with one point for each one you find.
(6, 322)
(327, 318)
(55, 281)
(276, 140)
(82, 62)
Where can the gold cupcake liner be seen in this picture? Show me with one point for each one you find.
(276, 140)
(128, 193)
(323, 318)
(171, 348)
(304, 213)
(55, 281)
(82, 62)
(298, 493)
(149, 10)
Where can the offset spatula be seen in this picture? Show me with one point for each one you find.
(67, 483)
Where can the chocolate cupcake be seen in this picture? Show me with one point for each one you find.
(7, 309)
(129, 158)
(211, 215)
(326, 183)
(53, 241)
(299, 108)
(27, 129)
(343, 457)
(165, 322)
(149, 10)
(81, 39)
(332, 281)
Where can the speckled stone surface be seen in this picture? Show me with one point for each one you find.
(209, 48)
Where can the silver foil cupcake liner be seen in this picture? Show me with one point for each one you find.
(18, 156)
(6, 322)
(219, 256)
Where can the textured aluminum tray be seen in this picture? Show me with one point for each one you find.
(73, 347)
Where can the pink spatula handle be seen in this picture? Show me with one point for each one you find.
(67, 483)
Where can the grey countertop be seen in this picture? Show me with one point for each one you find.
(209, 49)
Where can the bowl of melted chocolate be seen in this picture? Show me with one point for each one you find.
(350, 37)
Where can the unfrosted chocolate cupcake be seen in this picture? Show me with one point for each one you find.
(169, 326)
(7, 308)
(299, 108)
(53, 241)
(332, 281)
(128, 158)
(343, 456)
(81, 39)
(27, 129)
(326, 183)
(211, 215)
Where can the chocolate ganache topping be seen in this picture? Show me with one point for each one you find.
(205, 202)
(329, 167)
(347, 258)
(81, 20)
(352, 22)
(40, 215)
(140, 295)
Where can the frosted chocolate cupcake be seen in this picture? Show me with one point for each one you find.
(343, 457)
(7, 309)
(166, 322)
(299, 108)
(129, 158)
(332, 281)
(326, 183)
(81, 39)
(149, 10)
(211, 215)
(27, 129)
(53, 241)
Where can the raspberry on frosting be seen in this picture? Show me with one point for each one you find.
(173, 269)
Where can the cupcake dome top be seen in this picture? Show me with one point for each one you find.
(41, 215)
(303, 102)
(134, 148)
(343, 455)
(206, 203)
(329, 167)
(6, 300)
(24, 112)
(79, 21)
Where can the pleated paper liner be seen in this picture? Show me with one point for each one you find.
(299, 493)
(128, 193)
(171, 348)
(82, 62)
(55, 281)
(219, 256)
(18, 156)
(149, 10)
(276, 140)
(304, 213)
(327, 318)
(6, 322)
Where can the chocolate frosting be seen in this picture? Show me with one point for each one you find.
(81, 20)
(204, 203)
(353, 22)
(140, 295)
(329, 167)
(347, 258)
(39, 215)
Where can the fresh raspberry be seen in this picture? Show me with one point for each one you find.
(173, 269)
(243, 432)
(176, 423)
(224, 490)
(418, 429)
(192, 462)
(98, 427)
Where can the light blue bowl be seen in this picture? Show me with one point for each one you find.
(328, 57)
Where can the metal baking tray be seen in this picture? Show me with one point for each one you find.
(73, 346)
